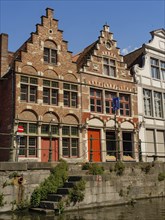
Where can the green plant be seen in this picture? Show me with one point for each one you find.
(121, 193)
(55, 180)
(86, 166)
(119, 168)
(77, 193)
(1, 200)
(94, 168)
(161, 176)
(13, 175)
(146, 168)
(23, 205)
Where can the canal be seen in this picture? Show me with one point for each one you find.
(151, 209)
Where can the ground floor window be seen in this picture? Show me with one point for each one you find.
(28, 146)
(111, 143)
(70, 141)
(127, 139)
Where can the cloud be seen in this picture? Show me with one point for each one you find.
(128, 50)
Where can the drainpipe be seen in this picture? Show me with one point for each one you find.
(11, 150)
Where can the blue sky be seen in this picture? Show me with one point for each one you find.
(82, 21)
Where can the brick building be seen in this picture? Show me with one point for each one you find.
(147, 64)
(64, 103)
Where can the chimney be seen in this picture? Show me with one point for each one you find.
(4, 64)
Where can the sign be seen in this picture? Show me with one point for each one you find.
(20, 129)
(116, 103)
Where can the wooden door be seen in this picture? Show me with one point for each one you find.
(96, 145)
(45, 143)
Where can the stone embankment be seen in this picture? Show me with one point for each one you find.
(136, 181)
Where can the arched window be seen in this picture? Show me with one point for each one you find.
(50, 52)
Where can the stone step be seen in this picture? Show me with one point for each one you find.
(63, 191)
(54, 197)
(48, 205)
(69, 184)
(43, 211)
(74, 178)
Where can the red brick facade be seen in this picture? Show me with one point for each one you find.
(48, 92)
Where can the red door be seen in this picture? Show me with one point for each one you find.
(96, 146)
(45, 143)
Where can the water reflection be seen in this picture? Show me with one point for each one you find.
(143, 210)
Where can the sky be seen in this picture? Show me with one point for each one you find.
(130, 21)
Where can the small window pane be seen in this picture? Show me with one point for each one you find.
(24, 79)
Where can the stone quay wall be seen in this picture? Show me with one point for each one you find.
(138, 181)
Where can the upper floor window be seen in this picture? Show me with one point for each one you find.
(147, 98)
(109, 102)
(109, 67)
(28, 89)
(125, 106)
(50, 55)
(70, 95)
(50, 92)
(162, 65)
(158, 104)
(155, 68)
(96, 100)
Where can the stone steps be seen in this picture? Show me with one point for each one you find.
(51, 204)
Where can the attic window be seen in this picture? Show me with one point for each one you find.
(50, 31)
(50, 56)
(109, 67)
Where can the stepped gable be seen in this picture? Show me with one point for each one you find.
(91, 58)
(47, 35)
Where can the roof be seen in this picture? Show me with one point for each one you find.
(82, 57)
(134, 57)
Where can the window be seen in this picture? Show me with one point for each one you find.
(96, 100)
(70, 95)
(45, 129)
(109, 102)
(28, 89)
(50, 55)
(28, 143)
(155, 68)
(147, 99)
(50, 92)
(125, 105)
(127, 144)
(70, 141)
(158, 104)
(109, 68)
(111, 143)
(162, 64)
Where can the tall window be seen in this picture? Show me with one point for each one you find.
(70, 95)
(162, 69)
(111, 143)
(70, 141)
(147, 98)
(109, 102)
(127, 144)
(158, 104)
(125, 108)
(50, 55)
(109, 68)
(28, 89)
(96, 100)
(50, 92)
(155, 68)
(28, 142)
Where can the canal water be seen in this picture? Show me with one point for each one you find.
(153, 209)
